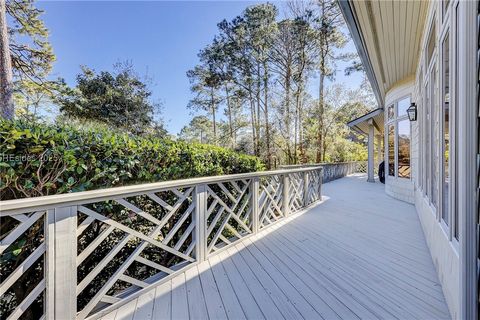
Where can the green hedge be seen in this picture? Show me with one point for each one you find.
(40, 159)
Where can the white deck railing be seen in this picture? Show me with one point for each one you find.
(336, 170)
(68, 256)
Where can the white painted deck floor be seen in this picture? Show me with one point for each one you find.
(357, 255)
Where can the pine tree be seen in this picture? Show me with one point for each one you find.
(30, 56)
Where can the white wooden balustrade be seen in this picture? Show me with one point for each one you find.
(69, 256)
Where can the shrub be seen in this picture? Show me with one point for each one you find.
(41, 159)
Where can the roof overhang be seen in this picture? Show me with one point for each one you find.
(362, 124)
(387, 35)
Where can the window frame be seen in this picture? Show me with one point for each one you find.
(394, 122)
(431, 81)
(441, 202)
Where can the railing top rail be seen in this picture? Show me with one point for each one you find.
(18, 206)
(320, 164)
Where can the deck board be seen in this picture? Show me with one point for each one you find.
(357, 255)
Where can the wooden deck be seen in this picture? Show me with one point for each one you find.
(357, 255)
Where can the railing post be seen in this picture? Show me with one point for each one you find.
(305, 188)
(320, 184)
(286, 195)
(201, 222)
(61, 263)
(255, 193)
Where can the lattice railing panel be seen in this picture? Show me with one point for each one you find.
(229, 213)
(22, 265)
(77, 254)
(270, 200)
(314, 187)
(128, 243)
(295, 192)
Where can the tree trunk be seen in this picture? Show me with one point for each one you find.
(296, 135)
(229, 110)
(267, 125)
(256, 150)
(287, 115)
(213, 117)
(259, 109)
(321, 108)
(7, 108)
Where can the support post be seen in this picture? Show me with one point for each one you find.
(61, 263)
(371, 154)
(305, 189)
(285, 195)
(254, 190)
(467, 158)
(201, 222)
(379, 149)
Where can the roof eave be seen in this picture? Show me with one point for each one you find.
(351, 20)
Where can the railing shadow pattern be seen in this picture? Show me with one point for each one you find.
(73, 255)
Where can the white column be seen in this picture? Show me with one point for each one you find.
(200, 237)
(467, 144)
(379, 149)
(371, 154)
(61, 264)
(254, 191)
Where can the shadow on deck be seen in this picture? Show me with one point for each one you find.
(357, 254)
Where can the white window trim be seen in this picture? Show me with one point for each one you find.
(394, 121)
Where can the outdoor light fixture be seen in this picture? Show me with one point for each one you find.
(412, 112)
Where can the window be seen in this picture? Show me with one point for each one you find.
(391, 112)
(404, 148)
(456, 232)
(427, 138)
(402, 107)
(446, 129)
(434, 126)
(420, 130)
(391, 150)
(398, 139)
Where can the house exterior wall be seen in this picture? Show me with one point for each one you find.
(444, 251)
(436, 150)
(442, 176)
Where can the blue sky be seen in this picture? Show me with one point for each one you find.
(161, 38)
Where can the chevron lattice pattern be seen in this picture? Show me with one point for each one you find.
(136, 240)
(270, 200)
(229, 214)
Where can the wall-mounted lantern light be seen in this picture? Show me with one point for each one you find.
(412, 112)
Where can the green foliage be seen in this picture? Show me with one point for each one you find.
(120, 99)
(40, 159)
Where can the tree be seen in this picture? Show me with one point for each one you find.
(257, 70)
(234, 35)
(198, 130)
(330, 37)
(32, 58)
(341, 106)
(120, 99)
(25, 55)
(205, 84)
(6, 77)
(33, 100)
(282, 55)
(216, 57)
(261, 28)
